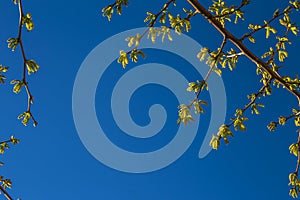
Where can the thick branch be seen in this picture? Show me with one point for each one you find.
(239, 44)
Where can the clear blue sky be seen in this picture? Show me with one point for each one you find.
(52, 163)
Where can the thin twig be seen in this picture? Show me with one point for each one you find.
(266, 24)
(209, 71)
(231, 12)
(5, 193)
(24, 79)
(253, 100)
(166, 5)
(298, 160)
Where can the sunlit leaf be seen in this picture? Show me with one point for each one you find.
(17, 85)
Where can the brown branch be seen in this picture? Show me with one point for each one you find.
(253, 100)
(162, 10)
(287, 118)
(188, 17)
(29, 95)
(5, 193)
(166, 5)
(257, 95)
(231, 12)
(156, 17)
(210, 71)
(239, 44)
(236, 54)
(266, 24)
(298, 160)
(4, 142)
(216, 57)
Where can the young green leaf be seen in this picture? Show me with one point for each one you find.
(123, 59)
(18, 85)
(272, 126)
(25, 116)
(32, 66)
(184, 114)
(27, 20)
(12, 43)
(214, 142)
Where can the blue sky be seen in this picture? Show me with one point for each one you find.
(51, 162)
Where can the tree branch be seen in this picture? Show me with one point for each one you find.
(29, 95)
(239, 44)
(298, 159)
(5, 193)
